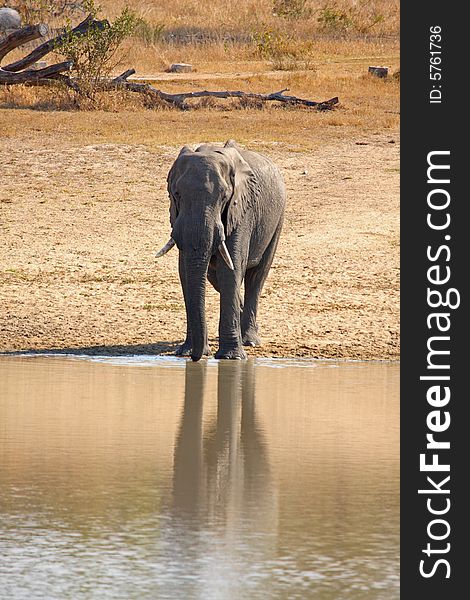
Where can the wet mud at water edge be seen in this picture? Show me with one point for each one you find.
(151, 477)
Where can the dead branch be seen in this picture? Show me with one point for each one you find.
(53, 43)
(123, 76)
(179, 100)
(22, 36)
(31, 75)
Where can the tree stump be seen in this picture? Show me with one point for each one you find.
(180, 68)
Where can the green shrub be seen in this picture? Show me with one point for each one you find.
(284, 51)
(291, 9)
(94, 54)
(335, 17)
(148, 33)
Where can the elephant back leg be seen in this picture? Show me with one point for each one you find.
(212, 278)
(254, 281)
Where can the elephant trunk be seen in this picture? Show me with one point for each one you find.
(196, 293)
(198, 236)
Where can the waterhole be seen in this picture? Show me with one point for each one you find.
(146, 477)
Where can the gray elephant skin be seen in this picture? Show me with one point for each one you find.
(226, 212)
(9, 19)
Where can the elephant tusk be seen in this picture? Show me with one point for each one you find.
(168, 246)
(226, 256)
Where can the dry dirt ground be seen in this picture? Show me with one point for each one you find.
(80, 224)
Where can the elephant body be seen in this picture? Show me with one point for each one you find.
(226, 211)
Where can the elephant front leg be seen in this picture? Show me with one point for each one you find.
(186, 348)
(230, 339)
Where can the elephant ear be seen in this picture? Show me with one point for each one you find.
(172, 176)
(241, 181)
(232, 144)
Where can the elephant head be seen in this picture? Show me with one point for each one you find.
(209, 191)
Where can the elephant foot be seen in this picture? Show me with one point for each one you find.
(231, 353)
(186, 349)
(251, 338)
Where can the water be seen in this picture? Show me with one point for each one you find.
(154, 478)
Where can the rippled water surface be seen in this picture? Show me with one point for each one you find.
(160, 478)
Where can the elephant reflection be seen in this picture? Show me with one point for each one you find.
(222, 484)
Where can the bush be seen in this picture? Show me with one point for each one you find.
(291, 9)
(335, 17)
(94, 54)
(148, 33)
(284, 51)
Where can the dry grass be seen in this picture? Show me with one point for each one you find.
(231, 36)
(367, 105)
(248, 15)
(220, 35)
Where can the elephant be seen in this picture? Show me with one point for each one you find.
(226, 213)
(9, 19)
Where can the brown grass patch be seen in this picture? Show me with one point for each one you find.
(245, 15)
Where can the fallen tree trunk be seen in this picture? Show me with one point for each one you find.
(22, 36)
(50, 45)
(179, 100)
(32, 75)
(16, 72)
